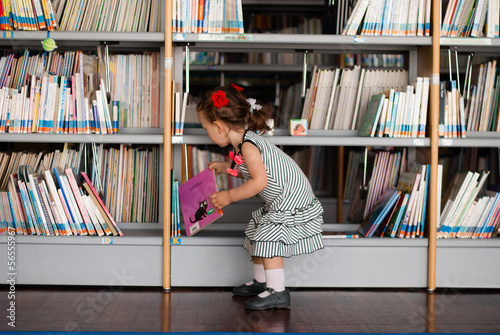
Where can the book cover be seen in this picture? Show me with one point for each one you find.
(370, 122)
(196, 209)
(381, 209)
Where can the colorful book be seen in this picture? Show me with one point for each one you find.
(197, 210)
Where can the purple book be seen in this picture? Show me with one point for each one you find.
(197, 211)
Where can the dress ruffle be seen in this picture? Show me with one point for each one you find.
(285, 233)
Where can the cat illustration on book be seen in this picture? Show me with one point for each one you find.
(193, 195)
(201, 212)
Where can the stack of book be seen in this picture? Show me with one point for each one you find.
(390, 17)
(213, 17)
(54, 203)
(398, 114)
(108, 15)
(338, 99)
(469, 18)
(27, 15)
(466, 214)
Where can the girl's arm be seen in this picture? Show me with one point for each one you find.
(256, 183)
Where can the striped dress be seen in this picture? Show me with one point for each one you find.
(289, 222)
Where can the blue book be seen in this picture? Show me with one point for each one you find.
(385, 203)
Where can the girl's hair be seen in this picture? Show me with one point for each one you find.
(237, 111)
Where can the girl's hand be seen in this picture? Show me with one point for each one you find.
(219, 167)
(220, 199)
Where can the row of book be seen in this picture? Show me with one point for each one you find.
(27, 15)
(108, 15)
(398, 114)
(469, 211)
(284, 24)
(129, 178)
(390, 18)
(83, 102)
(125, 177)
(54, 203)
(469, 18)
(374, 60)
(338, 99)
(204, 16)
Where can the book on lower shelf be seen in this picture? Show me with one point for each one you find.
(54, 203)
(197, 210)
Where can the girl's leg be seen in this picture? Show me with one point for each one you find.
(275, 275)
(258, 271)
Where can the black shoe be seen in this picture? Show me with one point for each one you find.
(249, 290)
(275, 300)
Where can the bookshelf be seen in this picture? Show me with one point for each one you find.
(132, 260)
(345, 263)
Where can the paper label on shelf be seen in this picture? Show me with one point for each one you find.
(464, 41)
(107, 240)
(435, 79)
(168, 62)
(176, 139)
(418, 142)
(179, 37)
(8, 34)
(175, 241)
(447, 142)
(359, 39)
(224, 37)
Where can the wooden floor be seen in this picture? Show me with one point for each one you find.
(182, 310)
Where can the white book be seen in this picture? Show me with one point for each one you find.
(352, 90)
(481, 8)
(421, 18)
(358, 99)
(332, 98)
(411, 29)
(418, 83)
(422, 123)
(354, 20)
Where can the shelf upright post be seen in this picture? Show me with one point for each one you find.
(434, 138)
(167, 142)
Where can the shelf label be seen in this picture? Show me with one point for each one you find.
(447, 142)
(107, 240)
(179, 37)
(177, 139)
(8, 34)
(225, 37)
(175, 241)
(465, 41)
(418, 142)
(359, 39)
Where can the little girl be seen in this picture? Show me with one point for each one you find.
(289, 222)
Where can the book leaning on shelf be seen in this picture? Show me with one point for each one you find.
(54, 203)
(469, 18)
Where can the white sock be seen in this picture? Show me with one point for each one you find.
(275, 279)
(258, 274)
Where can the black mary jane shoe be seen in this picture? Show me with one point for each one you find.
(274, 300)
(249, 290)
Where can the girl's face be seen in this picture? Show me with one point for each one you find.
(215, 131)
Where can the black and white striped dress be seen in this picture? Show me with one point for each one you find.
(289, 222)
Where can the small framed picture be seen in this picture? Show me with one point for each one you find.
(298, 127)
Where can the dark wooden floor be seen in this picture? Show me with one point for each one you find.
(141, 310)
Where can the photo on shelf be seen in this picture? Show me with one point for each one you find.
(298, 127)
